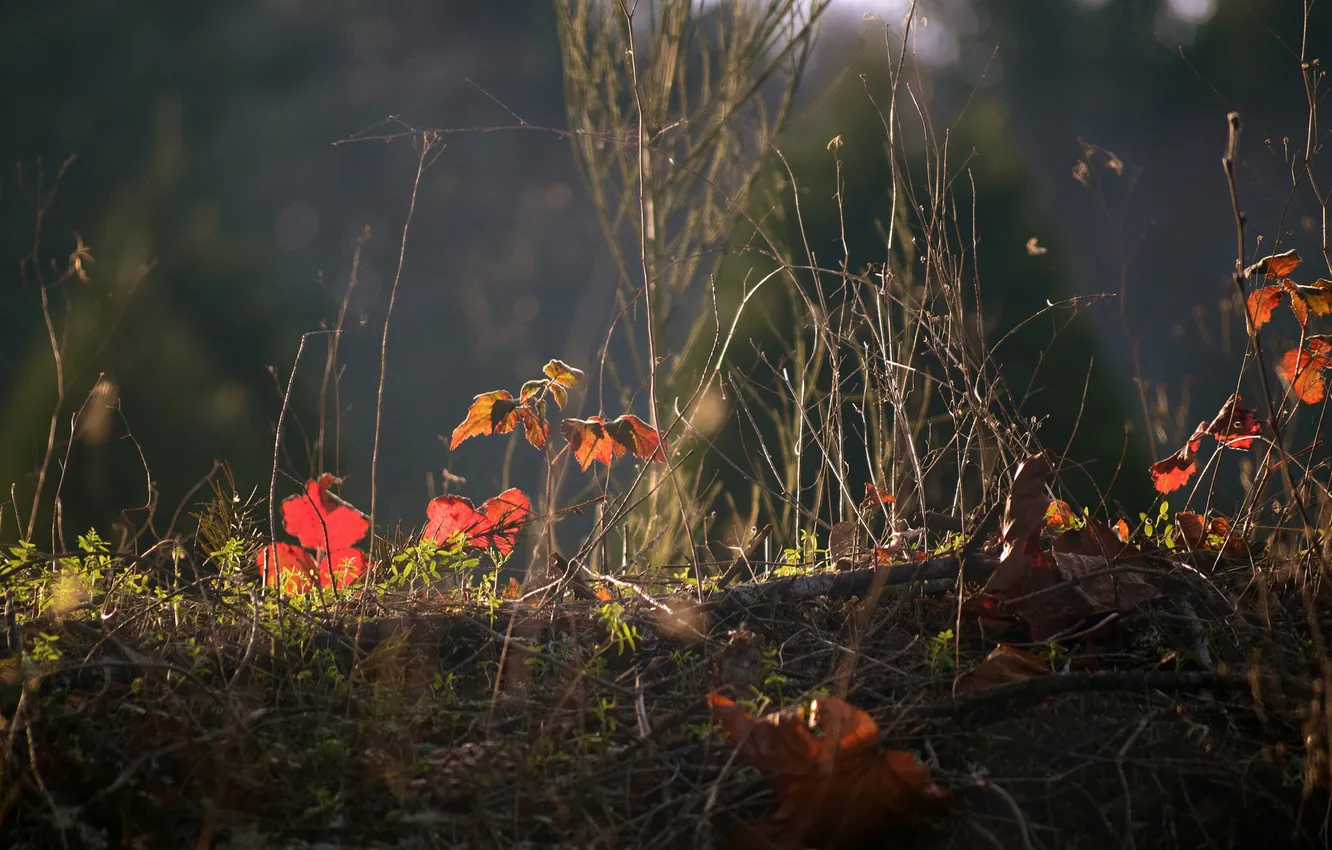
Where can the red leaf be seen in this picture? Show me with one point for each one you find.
(595, 439)
(502, 517)
(1261, 304)
(874, 497)
(1275, 265)
(1302, 369)
(835, 783)
(288, 566)
(491, 413)
(1175, 471)
(496, 524)
(1234, 426)
(341, 568)
(321, 520)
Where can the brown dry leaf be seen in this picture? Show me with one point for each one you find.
(1024, 515)
(835, 783)
(1191, 530)
(1003, 665)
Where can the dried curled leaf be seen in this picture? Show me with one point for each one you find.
(1234, 427)
(1275, 265)
(595, 439)
(835, 783)
(1024, 516)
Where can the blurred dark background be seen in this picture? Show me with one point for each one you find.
(223, 219)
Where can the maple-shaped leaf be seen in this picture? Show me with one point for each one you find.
(1302, 369)
(494, 412)
(1003, 665)
(1175, 471)
(321, 520)
(835, 784)
(504, 515)
(1261, 303)
(563, 374)
(1234, 426)
(1275, 265)
(286, 566)
(1024, 516)
(495, 525)
(595, 439)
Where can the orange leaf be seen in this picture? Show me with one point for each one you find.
(1302, 369)
(1059, 515)
(595, 439)
(1175, 471)
(1275, 265)
(491, 413)
(1261, 304)
(1121, 530)
(1234, 426)
(1298, 306)
(513, 589)
(835, 784)
(1003, 665)
(535, 426)
(563, 374)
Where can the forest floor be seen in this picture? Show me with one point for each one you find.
(1187, 719)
